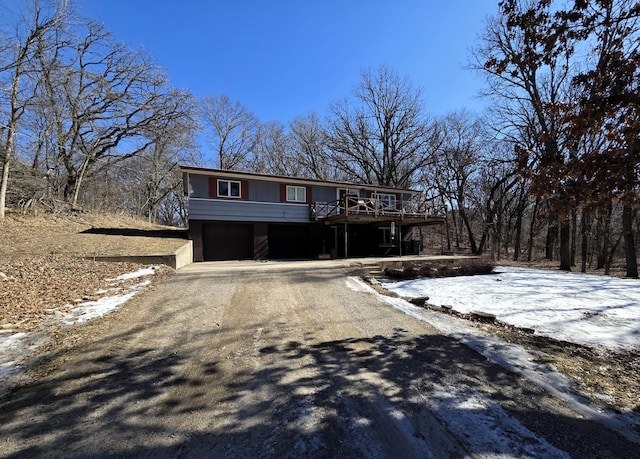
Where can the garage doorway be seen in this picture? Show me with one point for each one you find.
(289, 242)
(227, 241)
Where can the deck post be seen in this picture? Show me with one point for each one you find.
(346, 238)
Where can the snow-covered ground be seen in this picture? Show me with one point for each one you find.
(580, 308)
(15, 347)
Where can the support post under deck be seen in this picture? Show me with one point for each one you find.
(346, 238)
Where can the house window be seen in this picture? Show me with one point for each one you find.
(387, 201)
(296, 194)
(229, 188)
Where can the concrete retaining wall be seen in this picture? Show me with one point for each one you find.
(181, 257)
(184, 255)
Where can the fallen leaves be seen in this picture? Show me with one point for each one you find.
(36, 287)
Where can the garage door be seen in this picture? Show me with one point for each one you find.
(227, 241)
(289, 241)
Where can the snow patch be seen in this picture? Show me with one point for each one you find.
(487, 427)
(16, 347)
(580, 308)
(139, 273)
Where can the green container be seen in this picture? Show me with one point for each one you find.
(411, 247)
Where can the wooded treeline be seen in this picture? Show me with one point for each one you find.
(86, 121)
(551, 170)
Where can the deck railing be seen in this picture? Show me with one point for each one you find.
(375, 207)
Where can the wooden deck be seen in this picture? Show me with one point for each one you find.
(371, 210)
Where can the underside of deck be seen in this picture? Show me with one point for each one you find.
(409, 220)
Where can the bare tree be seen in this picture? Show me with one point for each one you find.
(381, 136)
(232, 130)
(308, 139)
(18, 56)
(101, 101)
(272, 151)
(158, 174)
(456, 165)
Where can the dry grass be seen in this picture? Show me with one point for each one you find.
(46, 261)
(69, 234)
(610, 379)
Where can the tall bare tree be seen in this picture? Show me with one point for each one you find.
(308, 138)
(232, 130)
(101, 100)
(37, 27)
(455, 166)
(474, 176)
(273, 152)
(381, 136)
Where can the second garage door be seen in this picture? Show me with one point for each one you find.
(289, 241)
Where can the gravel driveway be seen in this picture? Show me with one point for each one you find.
(283, 360)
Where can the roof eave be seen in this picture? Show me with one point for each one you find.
(283, 178)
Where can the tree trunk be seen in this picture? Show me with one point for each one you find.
(518, 236)
(456, 229)
(565, 246)
(78, 182)
(11, 127)
(495, 244)
(574, 237)
(609, 259)
(604, 237)
(532, 226)
(552, 234)
(483, 240)
(584, 247)
(70, 185)
(467, 224)
(3, 184)
(447, 229)
(599, 243)
(629, 243)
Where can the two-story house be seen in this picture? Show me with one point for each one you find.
(241, 215)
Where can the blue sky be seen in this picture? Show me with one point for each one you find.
(284, 58)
